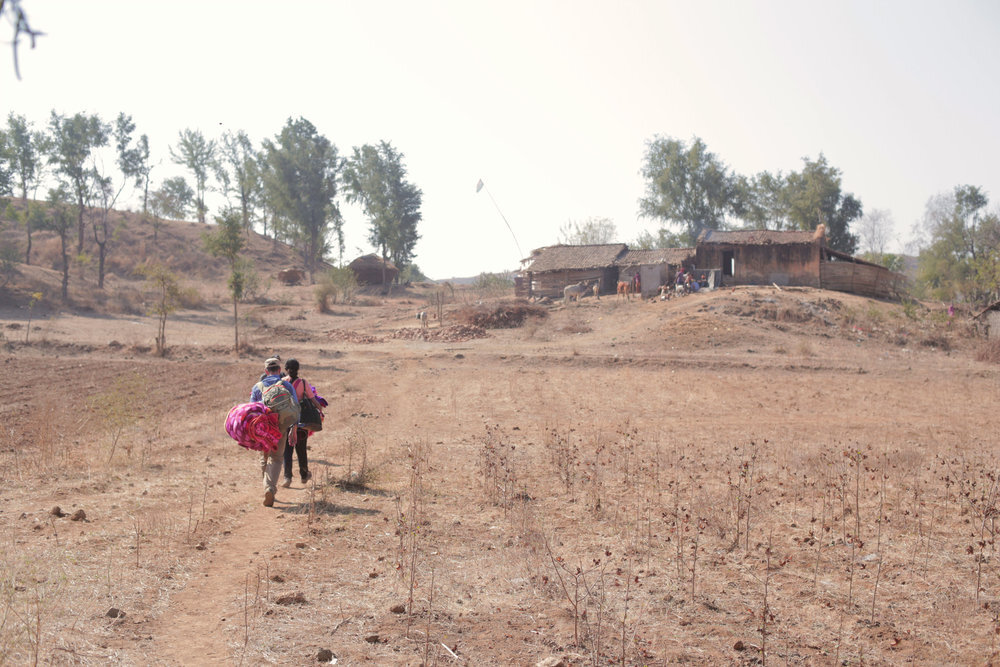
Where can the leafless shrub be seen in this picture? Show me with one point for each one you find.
(989, 351)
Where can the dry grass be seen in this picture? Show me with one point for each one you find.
(701, 480)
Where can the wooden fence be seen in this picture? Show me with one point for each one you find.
(863, 279)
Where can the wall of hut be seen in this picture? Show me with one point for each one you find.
(779, 263)
(651, 276)
(863, 279)
(551, 283)
(991, 318)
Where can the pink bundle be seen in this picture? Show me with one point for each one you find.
(254, 426)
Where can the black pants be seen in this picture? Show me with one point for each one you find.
(302, 436)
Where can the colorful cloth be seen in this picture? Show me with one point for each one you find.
(254, 426)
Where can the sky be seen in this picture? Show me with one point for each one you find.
(550, 103)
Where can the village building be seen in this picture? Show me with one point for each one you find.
(654, 267)
(989, 321)
(742, 257)
(767, 257)
(368, 269)
(548, 270)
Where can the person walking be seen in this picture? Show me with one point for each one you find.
(278, 395)
(302, 390)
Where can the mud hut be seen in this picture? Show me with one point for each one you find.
(989, 320)
(368, 269)
(548, 270)
(765, 257)
(655, 267)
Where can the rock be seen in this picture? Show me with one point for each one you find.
(277, 578)
(57, 511)
(398, 609)
(324, 655)
(739, 646)
(373, 638)
(551, 661)
(78, 515)
(115, 612)
(293, 598)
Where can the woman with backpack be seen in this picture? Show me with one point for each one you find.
(303, 391)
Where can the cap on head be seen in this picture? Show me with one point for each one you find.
(272, 364)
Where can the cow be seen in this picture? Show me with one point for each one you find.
(625, 290)
(575, 291)
(422, 316)
(291, 276)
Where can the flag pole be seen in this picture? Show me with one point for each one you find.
(482, 186)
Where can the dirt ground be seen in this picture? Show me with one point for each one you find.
(746, 476)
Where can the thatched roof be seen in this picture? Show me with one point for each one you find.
(563, 257)
(370, 262)
(761, 237)
(670, 256)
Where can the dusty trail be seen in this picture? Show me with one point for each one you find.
(193, 631)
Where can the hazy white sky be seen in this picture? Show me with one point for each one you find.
(550, 103)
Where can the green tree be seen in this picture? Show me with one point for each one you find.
(227, 242)
(813, 197)
(962, 259)
(761, 202)
(592, 231)
(107, 189)
(23, 148)
(686, 187)
(375, 178)
(301, 186)
(60, 221)
(196, 153)
(238, 170)
(173, 199)
(73, 142)
(167, 289)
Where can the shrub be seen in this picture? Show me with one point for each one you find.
(989, 351)
(339, 283)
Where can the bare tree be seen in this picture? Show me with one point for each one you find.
(875, 232)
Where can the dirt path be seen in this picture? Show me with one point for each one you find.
(194, 628)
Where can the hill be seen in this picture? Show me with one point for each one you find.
(176, 244)
(732, 477)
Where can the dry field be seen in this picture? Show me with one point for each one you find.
(749, 476)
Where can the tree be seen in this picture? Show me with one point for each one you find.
(686, 186)
(874, 233)
(73, 141)
(143, 168)
(238, 170)
(227, 242)
(22, 149)
(168, 291)
(198, 155)
(813, 197)
(301, 186)
(592, 231)
(962, 260)
(172, 199)
(761, 203)
(375, 178)
(130, 162)
(60, 221)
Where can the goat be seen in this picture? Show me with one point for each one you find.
(625, 289)
(575, 291)
(422, 316)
